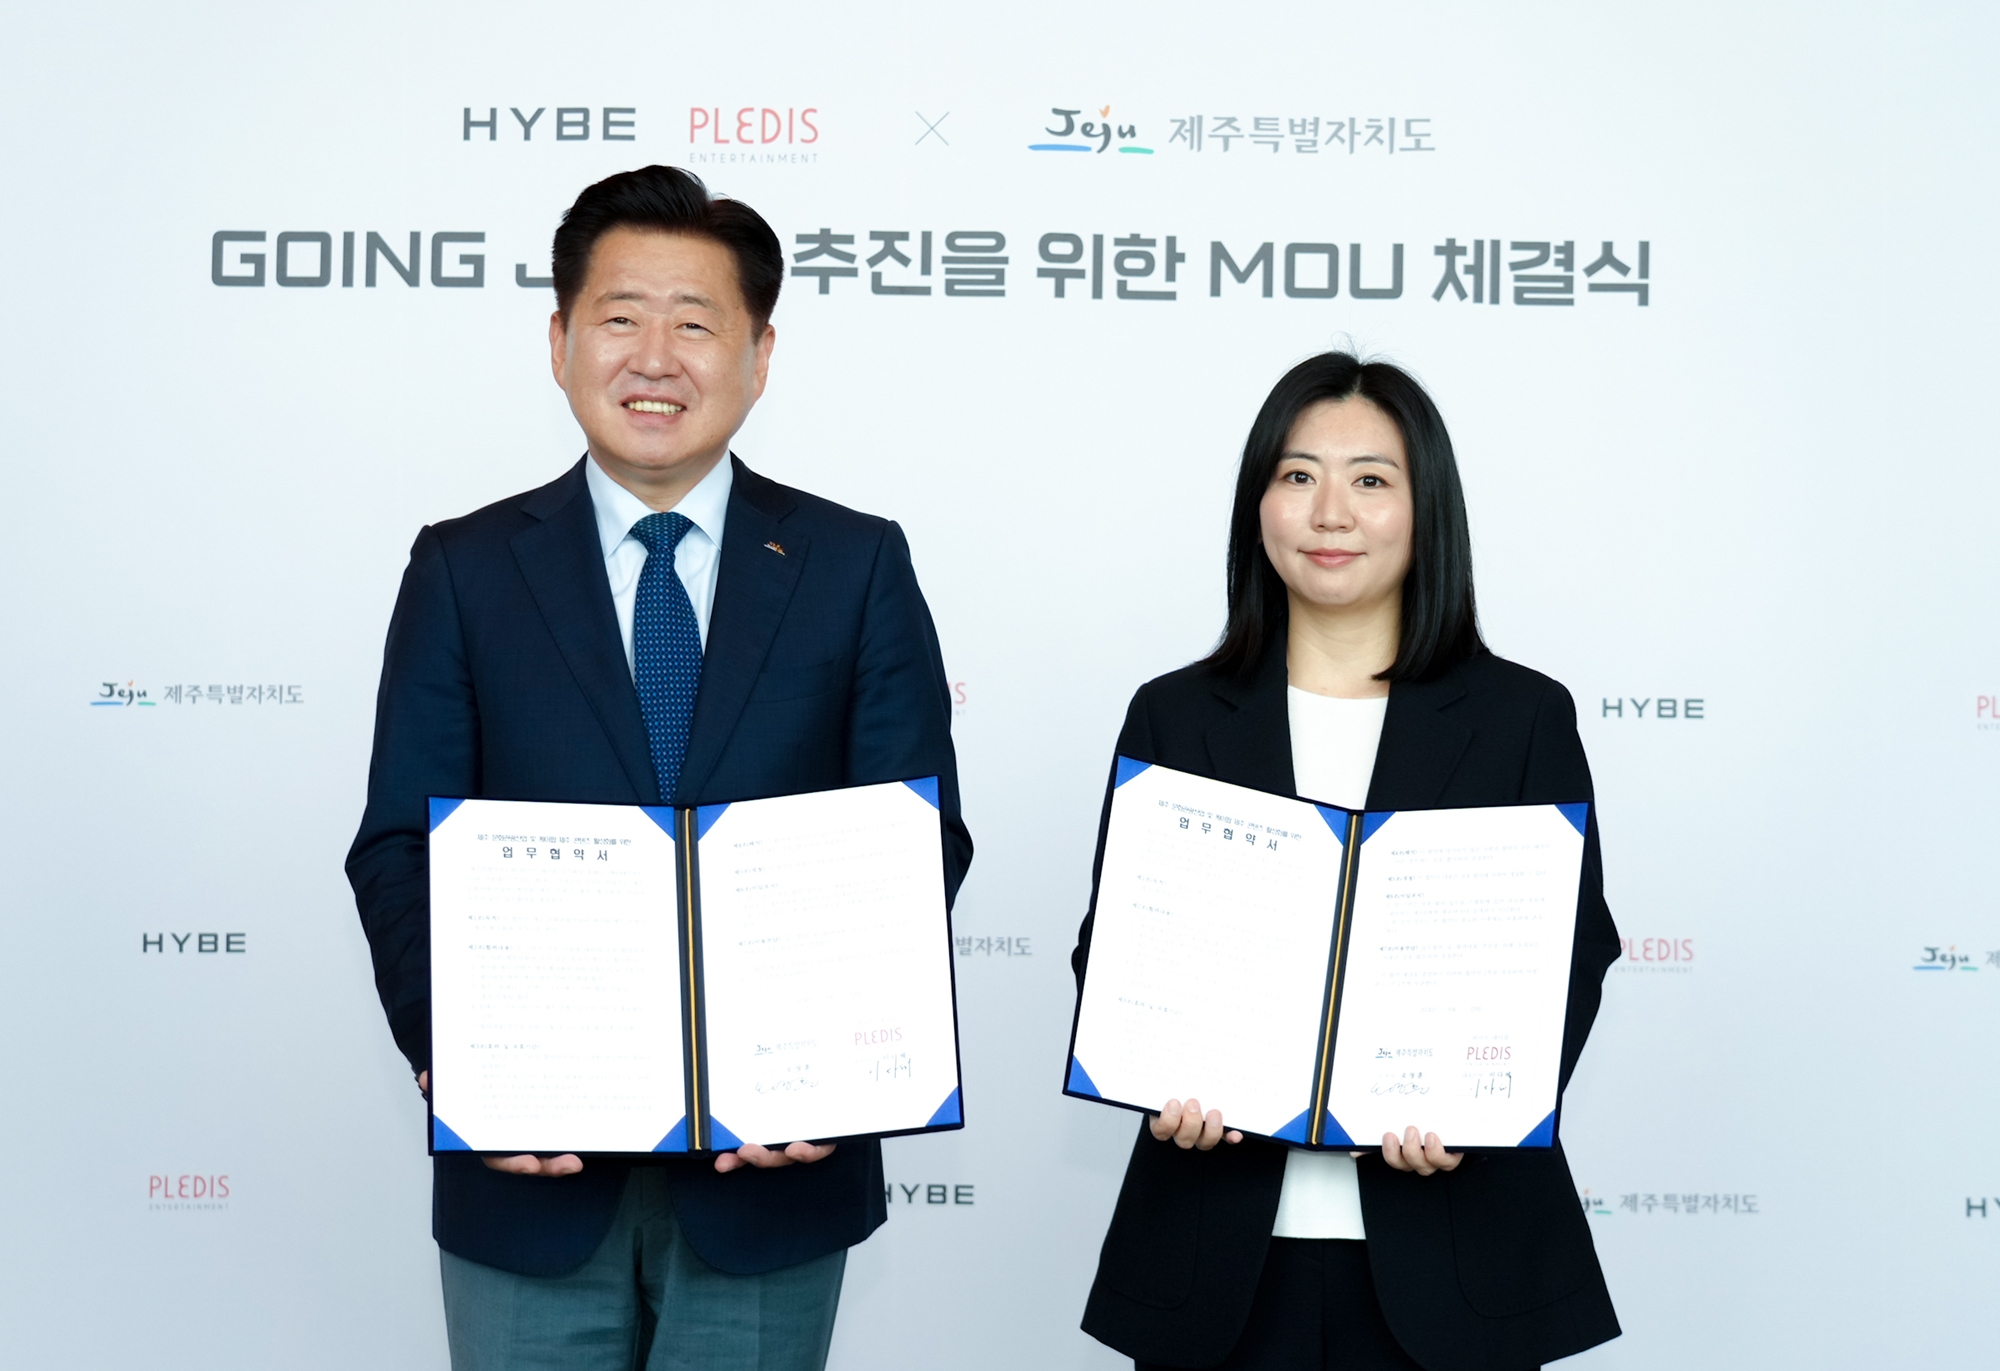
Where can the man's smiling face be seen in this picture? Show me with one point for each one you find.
(661, 359)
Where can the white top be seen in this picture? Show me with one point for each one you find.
(696, 559)
(1333, 758)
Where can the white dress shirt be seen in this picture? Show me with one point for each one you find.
(696, 559)
(1333, 759)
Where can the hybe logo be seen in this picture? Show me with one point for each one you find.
(1663, 707)
(191, 1190)
(1089, 135)
(200, 944)
(928, 1192)
(570, 125)
(1656, 956)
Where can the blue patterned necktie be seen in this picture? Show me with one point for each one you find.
(666, 648)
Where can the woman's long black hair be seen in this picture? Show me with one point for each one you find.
(1440, 624)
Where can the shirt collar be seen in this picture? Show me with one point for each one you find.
(706, 506)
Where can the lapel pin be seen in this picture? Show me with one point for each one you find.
(775, 548)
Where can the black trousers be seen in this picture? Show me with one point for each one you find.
(1315, 1310)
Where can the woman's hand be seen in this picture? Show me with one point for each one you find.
(1188, 1127)
(1425, 1156)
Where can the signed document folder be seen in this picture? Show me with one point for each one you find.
(639, 979)
(1324, 976)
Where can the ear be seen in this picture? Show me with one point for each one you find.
(558, 347)
(765, 342)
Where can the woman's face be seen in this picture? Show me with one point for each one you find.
(1337, 516)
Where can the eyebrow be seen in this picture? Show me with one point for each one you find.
(679, 298)
(1372, 458)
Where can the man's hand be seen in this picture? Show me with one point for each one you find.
(1188, 1127)
(527, 1163)
(750, 1154)
(1425, 1156)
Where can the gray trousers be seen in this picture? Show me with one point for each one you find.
(643, 1302)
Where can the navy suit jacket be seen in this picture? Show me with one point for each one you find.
(504, 678)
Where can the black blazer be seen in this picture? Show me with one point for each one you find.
(504, 678)
(1486, 1268)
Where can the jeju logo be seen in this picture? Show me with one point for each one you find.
(1089, 135)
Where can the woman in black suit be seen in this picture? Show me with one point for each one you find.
(1351, 671)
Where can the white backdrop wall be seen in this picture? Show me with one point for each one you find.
(1768, 488)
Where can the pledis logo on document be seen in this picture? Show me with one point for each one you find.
(187, 1191)
(1655, 956)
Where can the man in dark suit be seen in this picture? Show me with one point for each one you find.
(657, 625)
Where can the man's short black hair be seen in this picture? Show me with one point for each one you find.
(669, 200)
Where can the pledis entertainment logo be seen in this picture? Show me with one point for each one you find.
(1656, 956)
(752, 126)
(188, 1191)
(1986, 714)
(753, 133)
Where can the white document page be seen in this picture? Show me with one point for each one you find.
(826, 963)
(1208, 956)
(1457, 978)
(555, 978)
